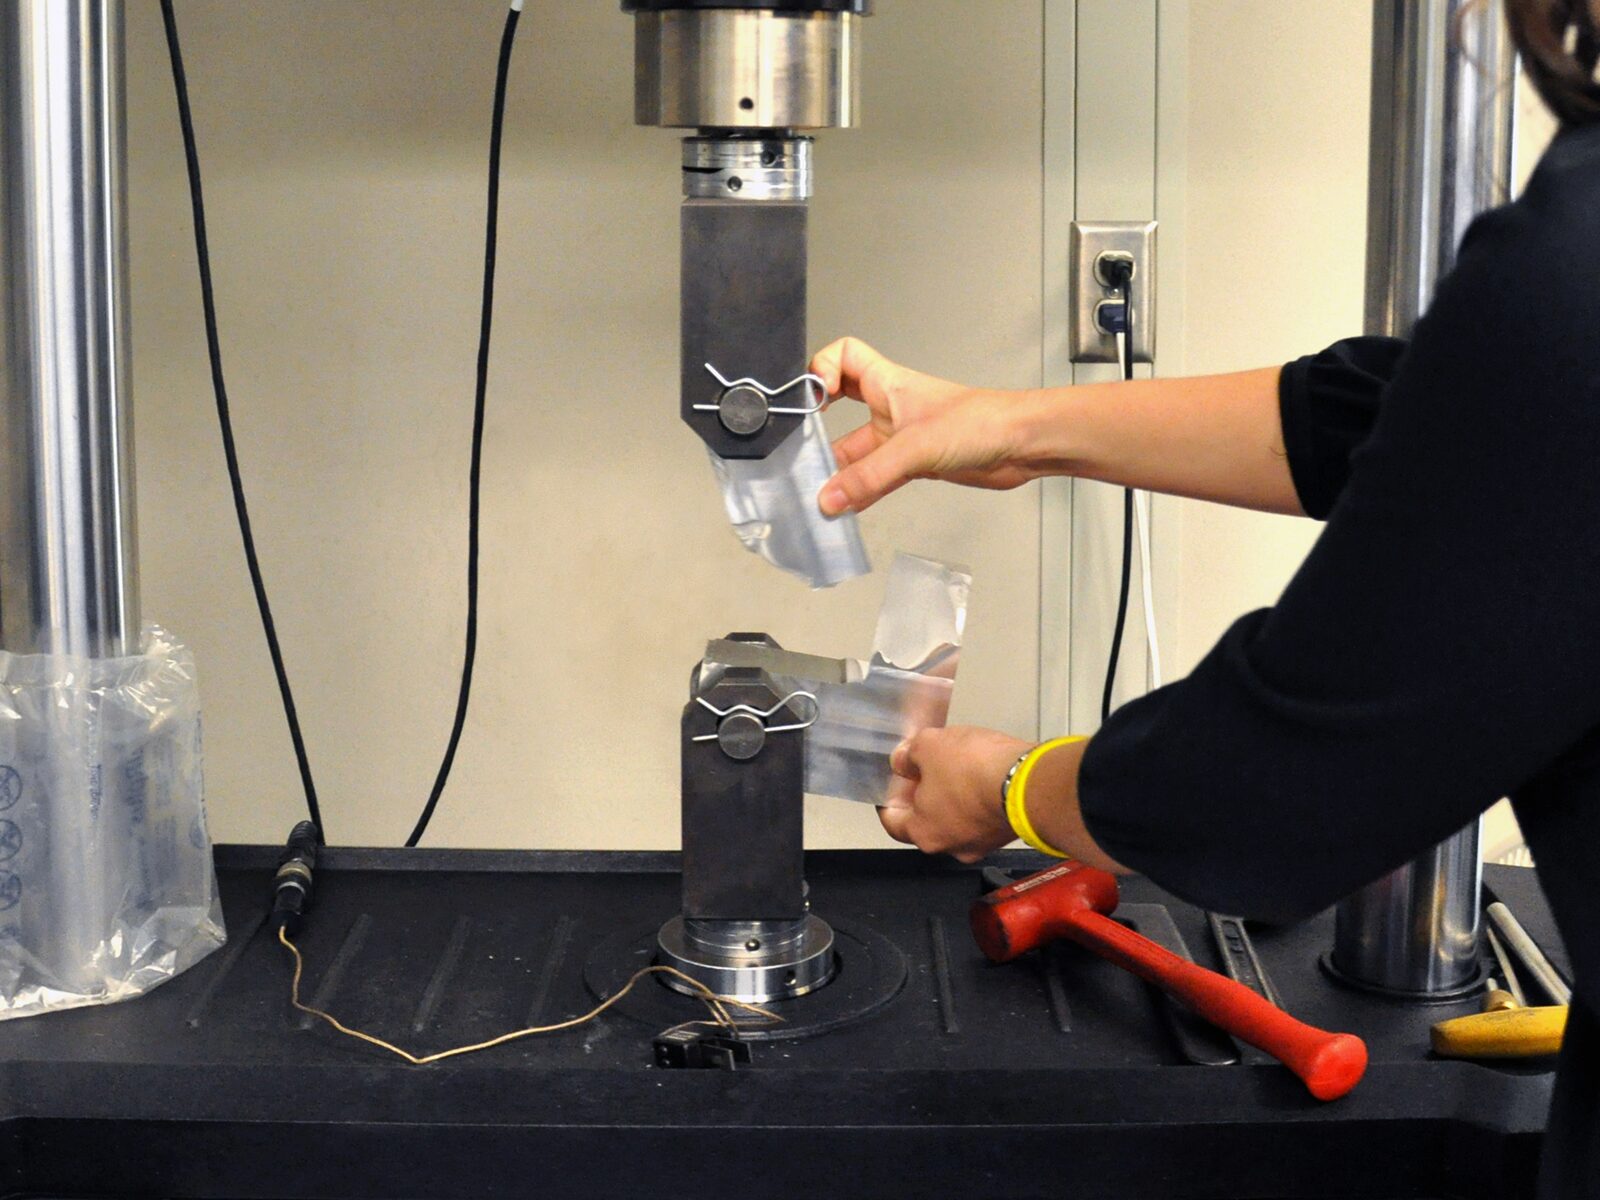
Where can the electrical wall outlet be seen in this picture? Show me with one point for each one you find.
(1093, 245)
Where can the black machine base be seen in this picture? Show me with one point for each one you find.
(1053, 1076)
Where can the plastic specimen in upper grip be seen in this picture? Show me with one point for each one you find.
(772, 505)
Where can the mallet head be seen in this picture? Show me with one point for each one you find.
(1033, 911)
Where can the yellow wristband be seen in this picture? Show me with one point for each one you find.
(1016, 795)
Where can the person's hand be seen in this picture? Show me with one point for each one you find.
(919, 428)
(947, 799)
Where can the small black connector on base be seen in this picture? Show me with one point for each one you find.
(292, 885)
(686, 1048)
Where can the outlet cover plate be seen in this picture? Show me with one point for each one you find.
(1091, 239)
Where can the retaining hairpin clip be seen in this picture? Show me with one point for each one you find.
(761, 715)
(746, 403)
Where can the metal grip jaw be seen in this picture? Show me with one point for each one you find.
(746, 930)
(744, 387)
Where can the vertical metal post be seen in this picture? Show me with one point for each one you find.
(67, 570)
(1443, 76)
(67, 575)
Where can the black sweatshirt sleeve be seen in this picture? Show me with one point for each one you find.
(1441, 643)
(1328, 403)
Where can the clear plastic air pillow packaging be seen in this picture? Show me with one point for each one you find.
(866, 708)
(772, 503)
(107, 887)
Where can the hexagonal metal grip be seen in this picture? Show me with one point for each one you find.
(743, 793)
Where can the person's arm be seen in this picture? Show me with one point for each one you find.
(1218, 437)
(955, 804)
(1214, 437)
(1435, 652)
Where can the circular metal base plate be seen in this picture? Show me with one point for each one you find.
(869, 972)
(1474, 984)
(757, 976)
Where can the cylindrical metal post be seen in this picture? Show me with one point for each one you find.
(67, 575)
(1443, 76)
(1443, 108)
(67, 572)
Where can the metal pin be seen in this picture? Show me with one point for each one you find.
(810, 380)
(1512, 985)
(721, 713)
(1528, 951)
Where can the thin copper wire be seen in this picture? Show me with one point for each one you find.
(717, 1004)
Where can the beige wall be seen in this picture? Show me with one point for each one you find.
(344, 161)
(343, 146)
(1275, 197)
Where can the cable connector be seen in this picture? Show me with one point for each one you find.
(1111, 317)
(1114, 269)
(689, 1049)
(292, 885)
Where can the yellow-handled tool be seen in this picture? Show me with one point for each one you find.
(1507, 1027)
(1502, 1033)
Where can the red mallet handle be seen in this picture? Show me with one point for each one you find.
(1330, 1064)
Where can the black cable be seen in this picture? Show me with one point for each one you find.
(1122, 602)
(491, 237)
(1119, 628)
(224, 419)
(180, 83)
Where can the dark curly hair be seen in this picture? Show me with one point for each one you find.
(1560, 45)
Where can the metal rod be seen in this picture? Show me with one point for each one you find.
(67, 546)
(1513, 985)
(67, 576)
(1443, 91)
(1527, 950)
(1443, 125)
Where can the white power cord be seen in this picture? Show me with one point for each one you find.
(1141, 504)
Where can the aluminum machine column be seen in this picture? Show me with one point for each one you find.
(67, 573)
(1443, 90)
(746, 81)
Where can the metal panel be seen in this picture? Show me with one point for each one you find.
(1055, 498)
(1114, 168)
(743, 821)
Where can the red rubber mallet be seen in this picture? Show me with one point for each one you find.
(1073, 901)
